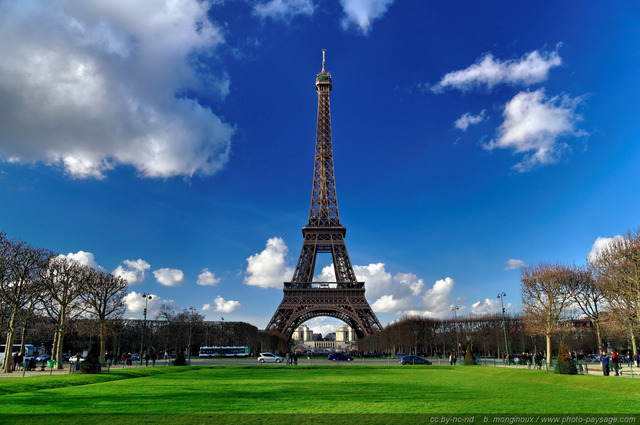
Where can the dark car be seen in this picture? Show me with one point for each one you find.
(413, 360)
(339, 356)
(372, 355)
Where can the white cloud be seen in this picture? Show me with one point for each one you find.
(601, 244)
(488, 306)
(388, 304)
(169, 277)
(513, 264)
(378, 281)
(468, 119)
(534, 124)
(283, 9)
(92, 85)
(132, 271)
(224, 306)
(207, 278)
(268, 269)
(531, 68)
(437, 300)
(135, 303)
(84, 258)
(363, 12)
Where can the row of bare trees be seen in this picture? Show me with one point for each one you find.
(37, 282)
(605, 291)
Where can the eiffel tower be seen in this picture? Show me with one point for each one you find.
(303, 298)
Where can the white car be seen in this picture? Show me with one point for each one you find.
(269, 358)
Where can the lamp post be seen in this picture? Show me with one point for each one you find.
(223, 340)
(455, 308)
(146, 297)
(192, 309)
(504, 328)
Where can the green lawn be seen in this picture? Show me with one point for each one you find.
(333, 394)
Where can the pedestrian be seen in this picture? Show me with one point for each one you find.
(153, 358)
(14, 360)
(605, 363)
(615, 362)
(147, 357)
(295, 359)
(636, 358)
(288, 358)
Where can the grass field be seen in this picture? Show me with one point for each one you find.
(331, 394)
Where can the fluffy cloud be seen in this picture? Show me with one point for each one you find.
(468, 119)
(513, 264)
(534, 124)
(207, 278)
(599, 245)
(222, 305)
(378, 281)
(135, 303)
(84, 258)
(91, 85)
(488, 306)
(363, 12)
(132, 271)
(169, 277)
(389, 304)
(531, 68)
(437, 300)
(283, 9)
(268, 269)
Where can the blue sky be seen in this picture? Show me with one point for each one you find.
(172, 142)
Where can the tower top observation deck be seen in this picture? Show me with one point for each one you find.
(323, 79)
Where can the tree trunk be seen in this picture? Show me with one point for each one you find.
(8, 359)
(596, 324)
(103, 343)
(633, 340)
(548, 337)
(59, 350)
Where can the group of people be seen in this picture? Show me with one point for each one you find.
(613, 362)
(292, 359)
(453, 359)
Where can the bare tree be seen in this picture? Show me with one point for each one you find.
(21, 269)
(590, 299)
(617, 267)
(104, 296)
(547, 290)
(64, 283)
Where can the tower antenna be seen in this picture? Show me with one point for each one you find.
(323, 52)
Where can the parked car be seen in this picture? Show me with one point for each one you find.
(414, 360)
(372, 355)
(135, 357)
(76, 359)
(43, 358)
(334, 357)
(269, 358)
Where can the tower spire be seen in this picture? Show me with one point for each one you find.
(323, 52)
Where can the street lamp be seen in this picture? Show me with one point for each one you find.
(223, 339)
(455, 308)
(192, 309)
(504, 328)
(146, 297)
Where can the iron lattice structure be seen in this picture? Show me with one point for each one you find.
(343, 299)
